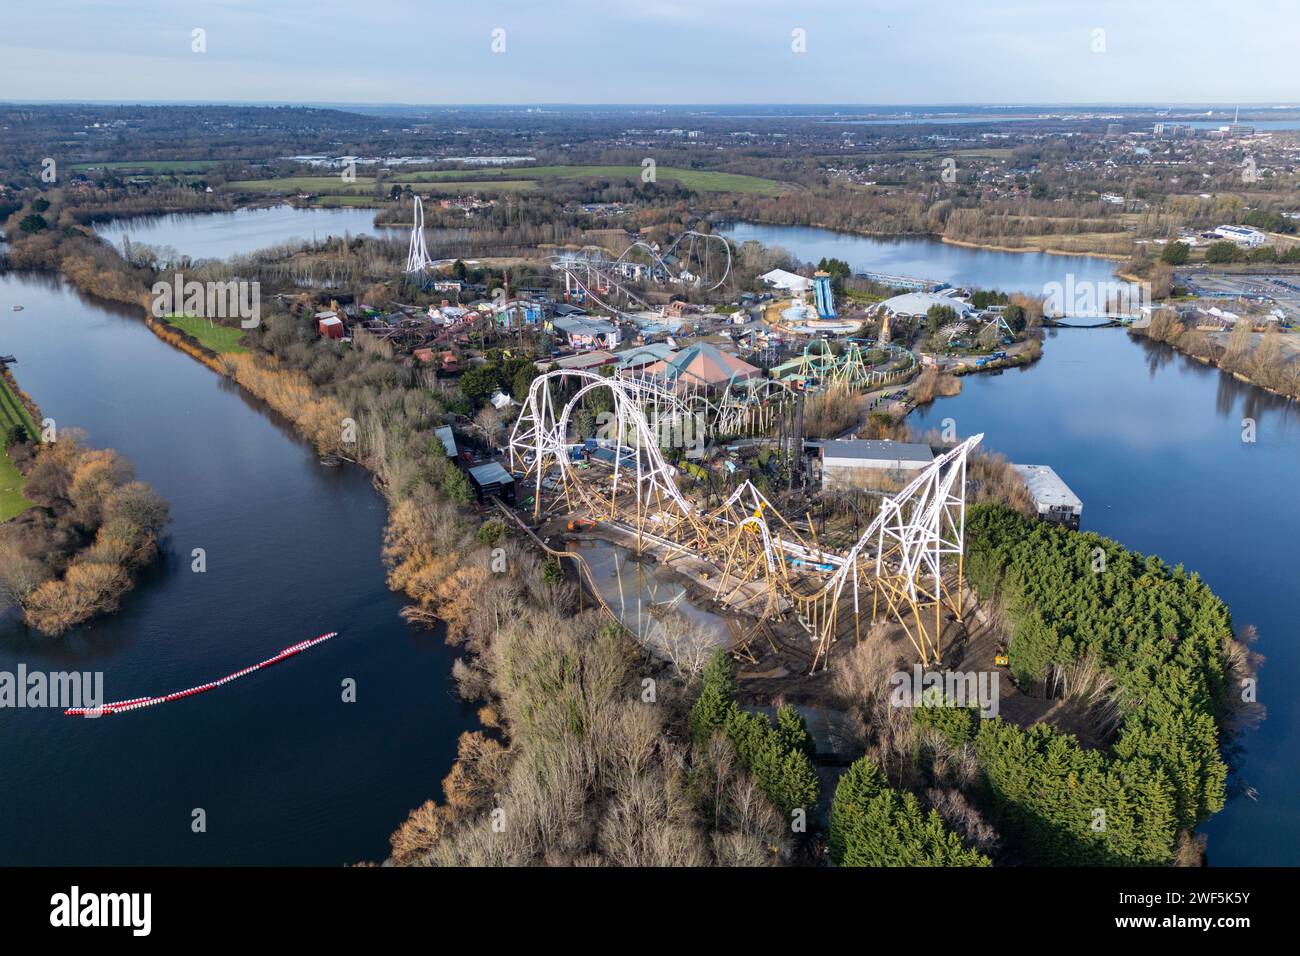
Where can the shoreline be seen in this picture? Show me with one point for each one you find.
(933, 237)
(968, 244)
(1214, 364)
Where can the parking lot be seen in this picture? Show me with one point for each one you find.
(1283, 291)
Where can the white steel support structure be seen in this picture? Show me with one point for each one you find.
(417, 254)
(900, 557)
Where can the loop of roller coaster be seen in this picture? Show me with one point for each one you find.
(899, 558)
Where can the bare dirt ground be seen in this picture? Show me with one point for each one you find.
(775, 657)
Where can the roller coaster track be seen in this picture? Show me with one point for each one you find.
(821, 367)
(899, 559)
(604, 280)
(418, 260)
(698, 250)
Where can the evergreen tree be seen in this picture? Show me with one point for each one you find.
(717, 698)
(874, 825)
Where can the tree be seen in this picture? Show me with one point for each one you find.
(1222, 251)
(717, 697)
(780, 762)
(1015, 317)
(32, 223)
(1158, 636)
(874, 825)
(457, 487)
(937, 316)
(1175, 253)
(478, 383)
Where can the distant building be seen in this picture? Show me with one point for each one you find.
(632, 361)
(786, 281)
(448, 439)
(870, 463)
(1242, 236)
(1052, 496)
(582, 362)
(329, 325)
(582, 332)
(704, 365)
(915, 305)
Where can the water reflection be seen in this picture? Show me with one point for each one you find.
(1152, 441)
(641, 593)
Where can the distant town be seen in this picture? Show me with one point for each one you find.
(445, 486)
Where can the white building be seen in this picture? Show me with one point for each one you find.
(1242, 236)
(915, 305)
(870, 463)
(1052, 497)
(786, 281)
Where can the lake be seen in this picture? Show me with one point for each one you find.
(286, 772)
(219, 235)
(1152, 443)
(923, 258)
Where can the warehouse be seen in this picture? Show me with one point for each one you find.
(871, 463)
(1052, 496)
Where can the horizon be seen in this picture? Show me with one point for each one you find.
(715, 52)
(1224, 105)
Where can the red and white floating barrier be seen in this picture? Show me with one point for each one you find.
(136, 703)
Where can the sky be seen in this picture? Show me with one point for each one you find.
(886, 52)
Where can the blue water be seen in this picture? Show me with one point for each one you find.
(923, 258)
(286, 771)
(1152, 443)
(219, 235)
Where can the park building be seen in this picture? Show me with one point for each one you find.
(870, 463)
(915, 305)
(1242, 236)
(1053, 498)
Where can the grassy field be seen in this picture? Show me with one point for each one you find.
(304, 184)
(701, 180)
(361, 192)
(511, 179)
(350, 201)
(12, 502)
(12, 412)
(219, 338)
(474, 186)
(153, 165)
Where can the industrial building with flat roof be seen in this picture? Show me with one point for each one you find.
(858, 463)
(1052, 496)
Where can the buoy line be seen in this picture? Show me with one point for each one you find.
(136, 703)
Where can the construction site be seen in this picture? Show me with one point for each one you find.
(790, 589)
(676, 480)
